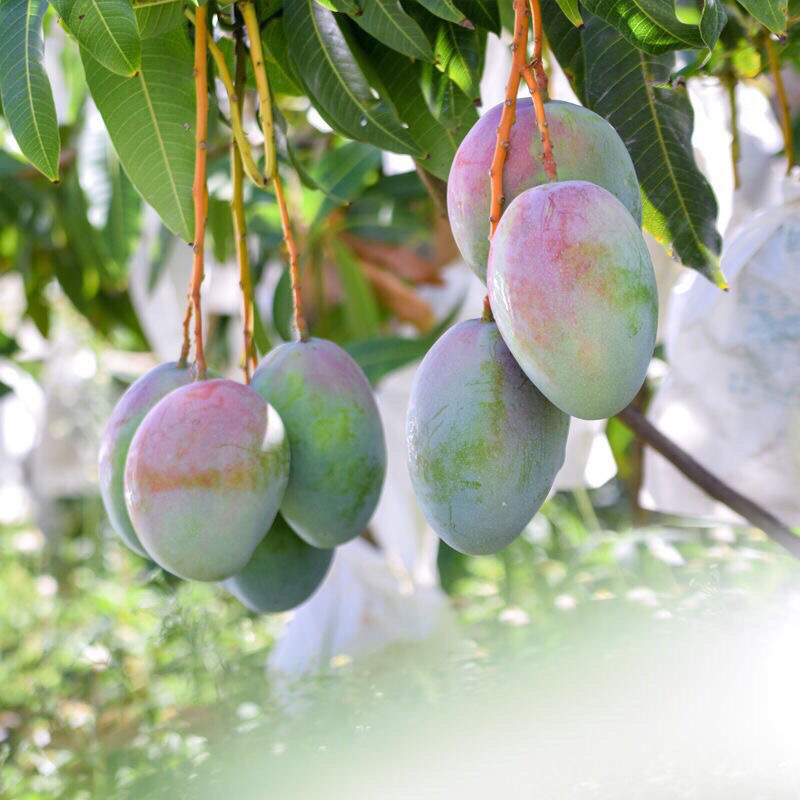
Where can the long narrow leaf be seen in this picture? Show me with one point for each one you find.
(150, 118)
(24, 88)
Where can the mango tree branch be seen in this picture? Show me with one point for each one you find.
(239, 223)
(247, 7)
(709, 483)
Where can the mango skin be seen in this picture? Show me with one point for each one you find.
(586, 147)
(283, 572)
(484, 446)
(204, 477)
(128, 414)
(573, 292)
(335, 435)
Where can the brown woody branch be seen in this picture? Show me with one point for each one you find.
(709, 483)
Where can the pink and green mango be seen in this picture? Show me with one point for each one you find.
(283, 572)
(204, 478)
(586, 147)
(484, 445)
(131, 409)
(335, 436)
(573, 292)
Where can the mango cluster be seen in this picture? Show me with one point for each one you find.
(574, 312)
(251, 486)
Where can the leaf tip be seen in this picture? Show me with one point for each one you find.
(465, 23)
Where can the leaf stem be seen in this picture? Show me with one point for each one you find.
(508, 116)
(199, 190)
(247, 7)
(537, 87)
(538, 40)
(487, 315)
(294, 266)
(239, 222)
(729, 80)
(249, 164)
(536, 79)
(783, 102)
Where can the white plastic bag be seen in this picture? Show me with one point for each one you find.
(732, 396)
(373, 596)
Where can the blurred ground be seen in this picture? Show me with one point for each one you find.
(584, 665)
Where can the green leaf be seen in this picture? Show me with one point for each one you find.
(335, 82)
(482, 13)
(388, 23)
(105, 28)
(5, 389)
(343, 173)
(649, 25)
(345, 6)
(401, 86)
(571, 11)
(282, 307)
(282, 77)
(630, 89)
(448, 104)
(361, 313)
(770, 13)
(457, 53)
(260, 337)
(444, 9)
(381, 355)
(24, 88)
(123, 223)
(286, 151)
(220, 226)
(712, 21)
(8, 345)
(155, 17)
(150, 119)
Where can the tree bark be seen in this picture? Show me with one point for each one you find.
(709, 483)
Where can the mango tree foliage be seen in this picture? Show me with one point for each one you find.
(349, 79)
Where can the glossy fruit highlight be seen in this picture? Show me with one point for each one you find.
(204, 477)
(484, 445)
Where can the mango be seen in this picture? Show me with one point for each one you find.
(338, 452)
(586, 147)
(131, 409)
(573, 292)
(283, 572)
(204, 478)
(484, 445)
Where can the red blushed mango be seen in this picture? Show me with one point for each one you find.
(131, 409)
(586, 148)
(204, 478)
(573, 292)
